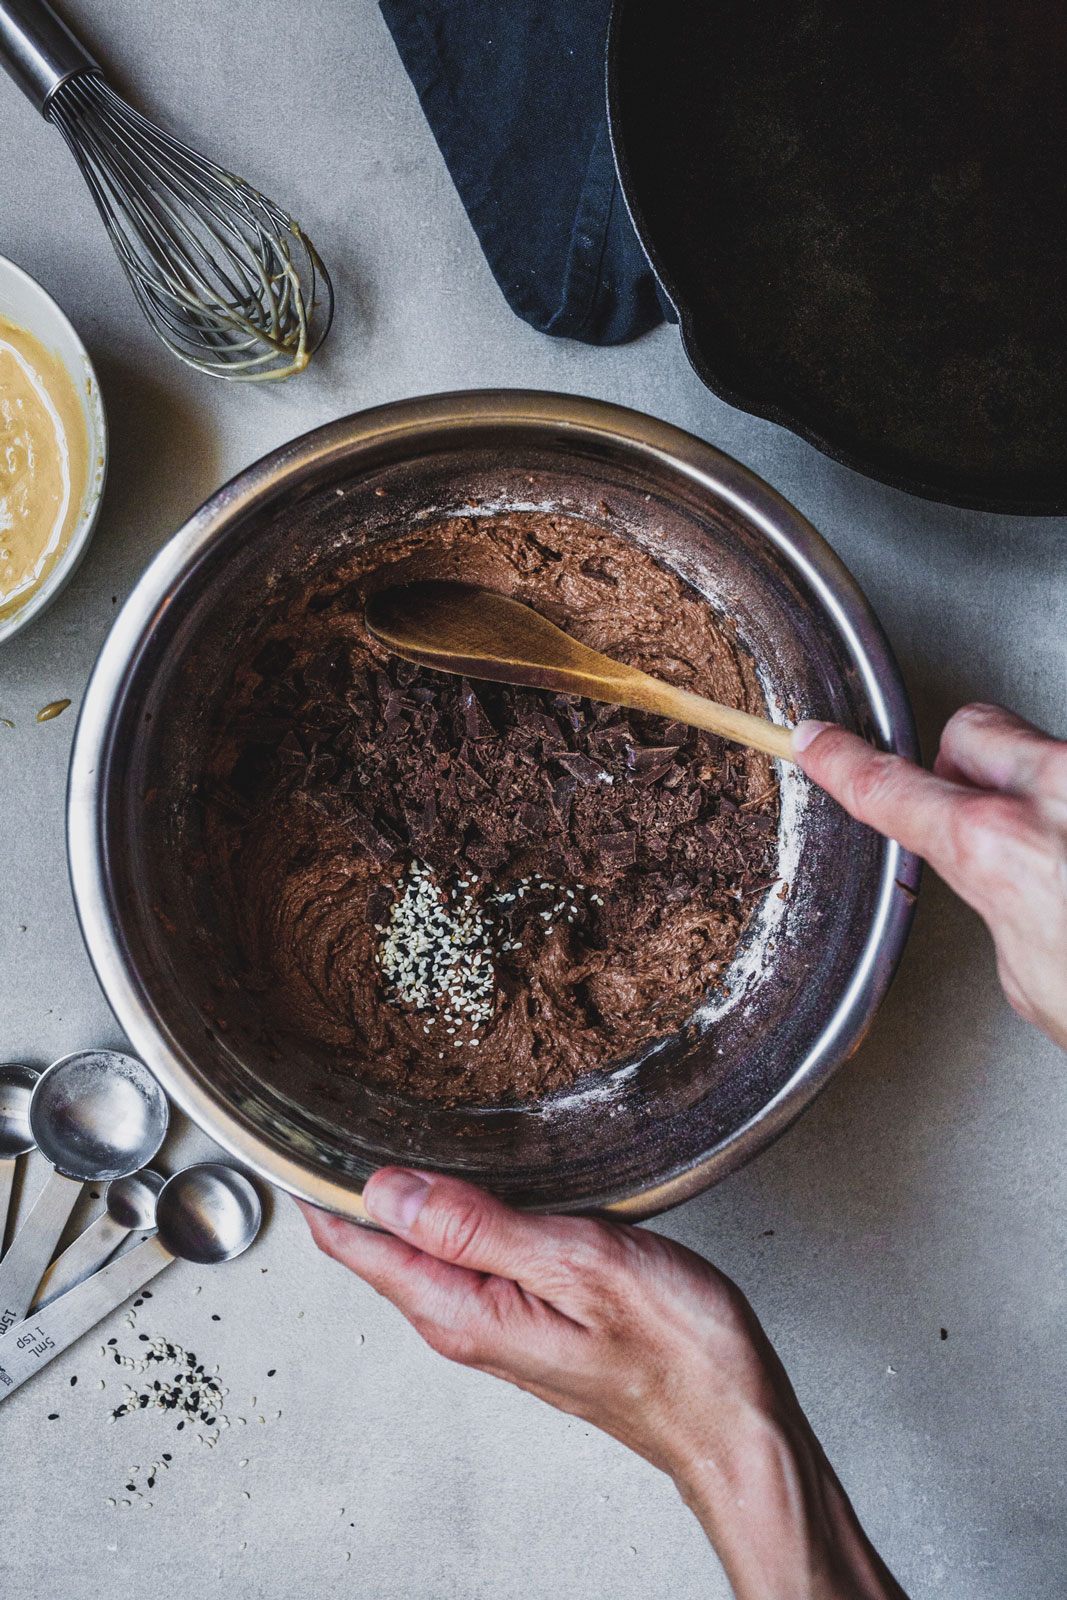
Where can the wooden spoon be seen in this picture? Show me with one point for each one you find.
(460, 628)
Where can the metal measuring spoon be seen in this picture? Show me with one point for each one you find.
(96, 1115)
(16, 1086)
(207, 1213)
(131, 1208)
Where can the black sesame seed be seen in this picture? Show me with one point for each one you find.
(112, 1341)
(73, 1381)
(179, 1428)
(146, 1294)
(144, 1401)
(137, 1303)
(272, 1371)
(215, 1317)
(53, 1416)
(166, 1457)
(117, 1359)
(151, 1483)
(143, 1338)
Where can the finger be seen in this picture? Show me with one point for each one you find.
(464, 1314)
(995, 749)
(419, 1284)
(362, 1250)
(459, 1223)
(884, 790)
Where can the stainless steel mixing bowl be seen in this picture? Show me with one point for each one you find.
(813, 966)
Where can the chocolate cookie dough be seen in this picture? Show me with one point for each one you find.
(468, 892)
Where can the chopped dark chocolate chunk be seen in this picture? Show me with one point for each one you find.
(581, 767)
(545, 728)
(648, 764)
(612, 741)
(378, 904)
(618, 849)
(533, 818)
(382, 845)
(475, 722)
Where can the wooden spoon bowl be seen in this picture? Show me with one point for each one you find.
(458, 627)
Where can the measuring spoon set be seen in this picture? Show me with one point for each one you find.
(99, 1117)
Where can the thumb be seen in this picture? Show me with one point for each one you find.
(462, 1224)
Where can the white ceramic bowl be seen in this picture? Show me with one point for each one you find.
(25, 303)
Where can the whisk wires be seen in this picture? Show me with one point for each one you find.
(226, 278)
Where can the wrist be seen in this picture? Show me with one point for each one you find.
(776, 1514)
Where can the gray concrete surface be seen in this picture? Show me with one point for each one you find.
(925, 1190)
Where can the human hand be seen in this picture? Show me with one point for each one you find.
(991, 819)
(638, 1336)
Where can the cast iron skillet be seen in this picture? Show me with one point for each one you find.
(860, 213)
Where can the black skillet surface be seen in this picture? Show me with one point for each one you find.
(860, 212)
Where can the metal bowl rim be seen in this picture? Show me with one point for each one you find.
(448, 417)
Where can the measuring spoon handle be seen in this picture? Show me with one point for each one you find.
(32, 1247)
(7, 1179)
(87, 1252)
(47, 1333)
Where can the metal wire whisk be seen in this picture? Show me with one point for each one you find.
(227, 279)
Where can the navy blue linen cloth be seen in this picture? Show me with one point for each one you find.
(514, 93)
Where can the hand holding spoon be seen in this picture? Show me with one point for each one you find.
(96, 1115)
(207, 1213)
(131, 1208)
(16, 1086)
(457, 627)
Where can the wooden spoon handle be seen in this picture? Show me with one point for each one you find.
(643, 693)
(770, 737)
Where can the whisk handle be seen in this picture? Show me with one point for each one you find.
(39, 50)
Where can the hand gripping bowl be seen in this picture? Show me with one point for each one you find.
(812, 967)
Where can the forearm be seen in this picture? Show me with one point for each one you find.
(779, 1519)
